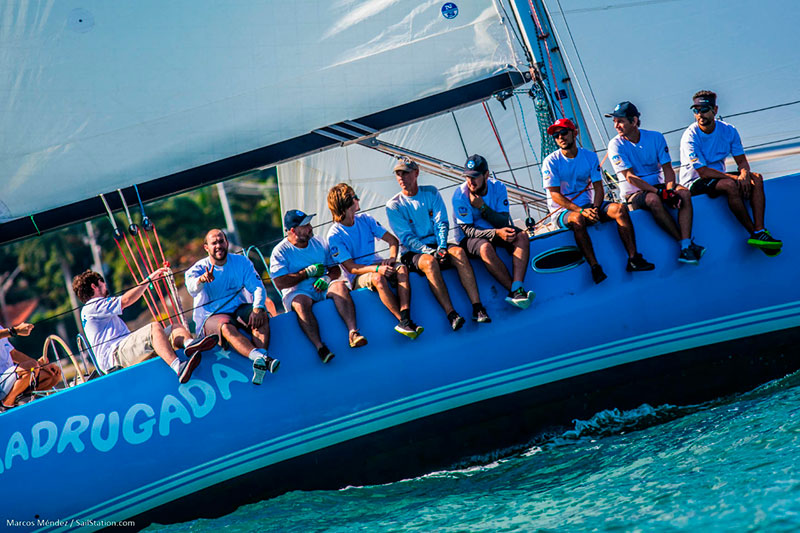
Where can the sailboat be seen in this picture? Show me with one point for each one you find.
(175, 96)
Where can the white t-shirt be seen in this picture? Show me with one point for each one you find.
(496, 199)
(235, 283)
(643, 158)
(104, 328)
(356, 242)
(5, 354)
(700, 149)
(572, 176)
(287, 258)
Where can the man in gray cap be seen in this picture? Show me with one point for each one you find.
(304, 271)
(418, 217)
(642, 158)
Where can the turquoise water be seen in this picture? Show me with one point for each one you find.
(728, 465)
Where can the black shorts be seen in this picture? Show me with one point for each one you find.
(411, 260)
(473, 245)
(705, 186)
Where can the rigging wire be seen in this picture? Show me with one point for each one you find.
(542, 36)
(503, 150)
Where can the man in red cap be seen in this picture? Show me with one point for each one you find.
(574, 187)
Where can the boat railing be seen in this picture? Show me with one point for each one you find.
(52, 344)
(85, 348)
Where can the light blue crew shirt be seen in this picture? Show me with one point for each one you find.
(699, 149)
(227, 291)
(644, 159)
(356, 242)
(287, 258)
(496, 199)
(572, 176)
(419, 221)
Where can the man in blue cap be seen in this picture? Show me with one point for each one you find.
(481, 213)
(704, 147)
(642, 159)
(303, 270)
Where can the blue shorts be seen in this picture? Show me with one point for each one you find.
(562, 223)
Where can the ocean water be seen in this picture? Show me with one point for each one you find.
(728, 465)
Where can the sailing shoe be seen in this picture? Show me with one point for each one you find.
(325, 354)
(481, 316)
(520, 298)
(762, 239)
(697, 249)
(688, 256)
(4, 407)
(408, 328)
(456, 320)
(357, 340)
(201, 344)
(637, 263)
(598, 276)
(260, 367)
(273, 365)
(185, 368)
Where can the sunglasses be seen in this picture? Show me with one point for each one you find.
(561, 133)
(697, 110)
(350, 200)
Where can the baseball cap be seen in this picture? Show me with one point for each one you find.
(624, 109)
(475, 166)
(560, 124)
(704, 100)
(405, 164)
(294, 218)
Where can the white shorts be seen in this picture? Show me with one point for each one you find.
(311, 293)
(7, 380)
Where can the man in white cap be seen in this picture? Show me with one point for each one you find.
(642, 158)
(574, 187)
(303, 270)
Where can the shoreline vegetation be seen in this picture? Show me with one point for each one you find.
(35, 273)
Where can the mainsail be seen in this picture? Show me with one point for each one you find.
(176, 95)
(658, 53)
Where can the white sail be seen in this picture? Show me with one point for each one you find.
(451, 137)
(99, 95)
(657, 54)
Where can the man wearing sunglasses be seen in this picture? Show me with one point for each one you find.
(576, 197)
(351, 240)
(642, 159)
(704, 147)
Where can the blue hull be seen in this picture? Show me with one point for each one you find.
(125, 445)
